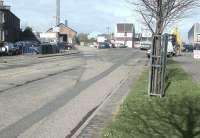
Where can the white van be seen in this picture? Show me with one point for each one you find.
(170, 50)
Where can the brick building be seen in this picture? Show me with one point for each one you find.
(66, 34)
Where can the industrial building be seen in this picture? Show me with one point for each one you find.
(194, 34)
(61, 32)
(9, 25)
(124, 34)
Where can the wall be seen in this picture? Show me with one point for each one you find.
(10, 27)
(70, 33)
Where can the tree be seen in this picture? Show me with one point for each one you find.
(28, 35)
(28, 32)
(157, 15)
(83, 37)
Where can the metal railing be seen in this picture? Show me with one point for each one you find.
(157, 70)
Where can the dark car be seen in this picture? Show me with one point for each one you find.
(104, 45)
(66, 46)
(188, 48)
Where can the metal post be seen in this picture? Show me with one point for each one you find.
(164, 60)
(155, 68)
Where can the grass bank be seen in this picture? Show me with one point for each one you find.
(177, 115)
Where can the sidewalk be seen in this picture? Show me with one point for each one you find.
(190, 65)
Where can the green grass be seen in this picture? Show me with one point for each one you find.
(177, 115)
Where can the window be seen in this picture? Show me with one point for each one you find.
(1, 17)
(0, 36)
(3, 35)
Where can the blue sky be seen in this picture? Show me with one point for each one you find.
(83, 15)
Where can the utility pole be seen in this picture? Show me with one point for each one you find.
(57, 12)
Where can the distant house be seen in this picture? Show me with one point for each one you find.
(124, 34)
(102, 38)
(65, 33)
(9, 24)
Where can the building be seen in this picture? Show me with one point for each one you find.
(124, 34)
(102, 38)
(193, 34)
(9, 25)
(63, 32)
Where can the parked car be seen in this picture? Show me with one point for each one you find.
(65, 46)
(188, 48)
(145, 43)
(9, 49)
(170, 51)
(103, 45)
(28, 47)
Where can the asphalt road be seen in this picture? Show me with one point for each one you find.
(49, 97)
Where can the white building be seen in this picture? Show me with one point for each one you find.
(63, 32)
(48, 37)
(193, 34)
(124, 34)
(101, 38)
(146, 39)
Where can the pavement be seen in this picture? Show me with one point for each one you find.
(53, 97)
(190, 65)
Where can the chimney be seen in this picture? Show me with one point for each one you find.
(57, 12)
(1, 2)
(66, 23)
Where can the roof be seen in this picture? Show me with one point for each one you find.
(61, 24)
(7, 9)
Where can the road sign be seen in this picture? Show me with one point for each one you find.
(196, 54)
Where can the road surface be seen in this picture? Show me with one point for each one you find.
(50, 97)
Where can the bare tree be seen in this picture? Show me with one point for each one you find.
(157, 15)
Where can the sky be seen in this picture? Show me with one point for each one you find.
(88, 16)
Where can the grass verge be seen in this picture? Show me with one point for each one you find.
(177, 115)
